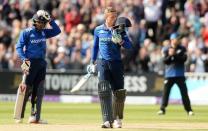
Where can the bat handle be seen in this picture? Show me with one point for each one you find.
(24, 78)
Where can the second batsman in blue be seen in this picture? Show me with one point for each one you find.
(31, 48)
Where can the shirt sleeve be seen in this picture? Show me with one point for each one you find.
(54, 31)
(95, 47)
(20, 45)
(127, 43)
(166, 58)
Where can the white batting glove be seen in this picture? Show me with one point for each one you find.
(116, 38)
(91, 69)
(25, 66)
(44, 14)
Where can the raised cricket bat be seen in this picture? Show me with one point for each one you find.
(81, 82)
(20, 98)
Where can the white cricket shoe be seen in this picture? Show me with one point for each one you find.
(191, 113)
(117, 123)
(106, 125)
(32, 120)
(19, 121)
(161, 112)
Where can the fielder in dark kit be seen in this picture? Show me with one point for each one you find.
(31, 47)
(108, 39)
(174, 59)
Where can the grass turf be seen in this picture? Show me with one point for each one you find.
(89, 114)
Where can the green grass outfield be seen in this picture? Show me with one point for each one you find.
(87, 117)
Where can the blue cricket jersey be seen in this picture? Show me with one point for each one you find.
(174, 65)
(103, 46)
(34, 41)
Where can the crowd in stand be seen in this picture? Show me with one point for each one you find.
(152, 23)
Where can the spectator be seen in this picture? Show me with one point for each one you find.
(27, 10)
(204, 33)
(16, 26)
(5, 36)
(138, 10)
(78, 19)
(61, 61)
(76, 58)
(3, 57)
(143, 60)
(86, 48)
(72, 18)
(86, 12)
(183, 29)
(152, 12)
(198, 61)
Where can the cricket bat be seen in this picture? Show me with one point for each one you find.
(81, 82)
(20, 98)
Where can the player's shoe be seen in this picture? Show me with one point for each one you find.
(19, 121)
(161, 112)
(117, 123)
(106, 124)
(191, 113)
(32, 120)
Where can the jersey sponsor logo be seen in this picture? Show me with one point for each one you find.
(37, 41)
(105, 39)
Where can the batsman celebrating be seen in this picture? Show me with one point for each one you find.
(108, 39)
(31, 48)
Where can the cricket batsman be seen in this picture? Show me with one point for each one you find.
(106, 56)
(31, 48)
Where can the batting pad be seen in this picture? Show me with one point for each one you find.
(105, 95)
(118, 103)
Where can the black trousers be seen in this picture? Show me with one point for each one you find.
(35, 85)
(168, 83)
